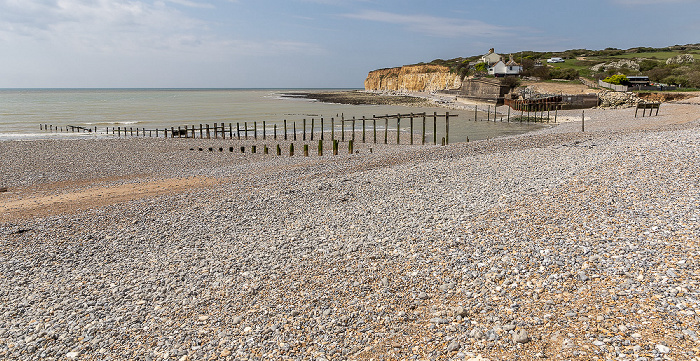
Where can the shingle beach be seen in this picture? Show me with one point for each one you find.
(556, 244)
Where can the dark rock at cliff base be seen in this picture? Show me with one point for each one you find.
(360, 98)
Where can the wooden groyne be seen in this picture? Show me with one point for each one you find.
(350, 129)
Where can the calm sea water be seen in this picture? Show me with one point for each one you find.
(23, 110)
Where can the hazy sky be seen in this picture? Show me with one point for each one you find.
(303, 43)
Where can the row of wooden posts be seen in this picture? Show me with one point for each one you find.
(305, 147)
(220, 129)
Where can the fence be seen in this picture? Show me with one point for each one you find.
(617, 88)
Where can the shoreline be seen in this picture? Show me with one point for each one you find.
(557, 243)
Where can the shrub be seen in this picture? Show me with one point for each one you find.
(617, 79)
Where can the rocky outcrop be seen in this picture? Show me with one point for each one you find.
(413, 78)
(617, 100)
(623, 63)
(680, 59)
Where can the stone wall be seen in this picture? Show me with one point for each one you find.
(616, 100)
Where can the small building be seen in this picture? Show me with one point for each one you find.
(638, 80)
(491, 58)
(510, 68)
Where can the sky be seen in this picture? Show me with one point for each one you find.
(302, 43)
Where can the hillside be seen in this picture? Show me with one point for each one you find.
(673, 65)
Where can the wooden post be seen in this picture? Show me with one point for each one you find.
(245, 129)
(291, 149)
(238, 130)
(264, 131)
(279, 150)
(208, 134)
(556, 108)
(255, 130)
(156, 132)
(313, 121)
(335, 147)
(447, 127)
(253, 149)
(306, 150)
(342, 129)
(583, 120)
(398, 126)
(411, 129)
(323, 130)
(353, 129)
(320, 147)
(275, 131)
(386, 129)
(474, 114)
(374, 120)
(350, 150)
(230, 131)
(332, 129)
(265, 150)
(179, 132)
(363, 129)
(435, 126)
(131, 130)
(423, 133)
(303, 130)
(172, 132)
(508, 114)
(294, 128)
(488, 114)
(216, 127)
(200, 131)
(285, 129)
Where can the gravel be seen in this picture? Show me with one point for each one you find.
(555, 243)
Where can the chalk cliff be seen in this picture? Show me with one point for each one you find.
(413, 78)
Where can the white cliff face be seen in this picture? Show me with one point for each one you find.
(413, 78)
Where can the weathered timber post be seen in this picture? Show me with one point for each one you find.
(583, 121)
(353, 129)
(303, 130)
(342, 129)
(294, 128)
(306, 150)
(291, 149)
(279, 150)
(509, 114)
(275, 131)
(216, 128)
(323, 130)
(488, 114)
(332, 129)
(435, 127)
(172, 132)
(447, 128)
(350, 143)
(335, 147)
(475, 112)
(313, 121)
(363, 129)
(245, 130)
(411, 129)
(285, 129)
(423, 133)
(265, 150)
(386, 129)
(255, 130)
(253, 149)
(230, 131)
(374, 120)
(208, 136)
(238, 130)
(264, 130)
(320, 147)
(398, 127)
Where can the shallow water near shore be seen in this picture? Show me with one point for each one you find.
(22, 111)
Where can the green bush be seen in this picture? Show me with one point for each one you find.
(617, 79)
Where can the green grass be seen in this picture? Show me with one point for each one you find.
(661, 55)
(583, 67)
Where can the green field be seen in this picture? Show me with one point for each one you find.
(661, 55)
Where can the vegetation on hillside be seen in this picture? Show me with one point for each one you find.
(599, 64)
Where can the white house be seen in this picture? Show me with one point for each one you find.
(501, 68)
(491, 58)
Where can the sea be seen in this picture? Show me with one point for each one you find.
(23, 112)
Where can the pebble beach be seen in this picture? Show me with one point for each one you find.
(556, 244)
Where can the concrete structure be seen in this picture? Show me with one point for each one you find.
(484, 89)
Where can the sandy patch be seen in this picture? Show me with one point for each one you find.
(54, 199)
